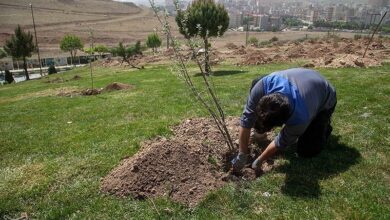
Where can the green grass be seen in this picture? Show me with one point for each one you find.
(55, 150)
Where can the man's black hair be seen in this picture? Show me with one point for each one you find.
(272, 110)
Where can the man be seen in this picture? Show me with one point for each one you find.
(301, 100)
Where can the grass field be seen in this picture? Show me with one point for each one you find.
(54, 150)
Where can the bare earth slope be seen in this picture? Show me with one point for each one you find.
(111, 22)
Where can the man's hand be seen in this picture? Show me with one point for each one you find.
(239, 161)
(268, 152)
(256, 165)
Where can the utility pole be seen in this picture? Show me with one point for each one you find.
(92, 54)
(36, 40)
(247, 30)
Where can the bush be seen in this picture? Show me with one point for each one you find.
(8, 77)
(357, 36)
(253, 40)
(52, 69)
(273, 39)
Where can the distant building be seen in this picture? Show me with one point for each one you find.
(275, 23)
(329, 14)
(264, 23)
(314, 15)
(235, 19)
(339, 13)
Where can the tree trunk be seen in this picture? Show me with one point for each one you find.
(25, 68)
(71, 58)
(206, 57)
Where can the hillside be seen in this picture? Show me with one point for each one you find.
(110, 22)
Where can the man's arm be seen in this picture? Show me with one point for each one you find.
(269, 152)
(244, 135)
(240, 160)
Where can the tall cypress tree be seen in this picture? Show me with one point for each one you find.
(21, 46)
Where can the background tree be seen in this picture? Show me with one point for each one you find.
(153, 41)
(127, 53)
(203, 18)
(101, 49)
(8, 77)
(2, 53)
(21, 46)
(71, 43)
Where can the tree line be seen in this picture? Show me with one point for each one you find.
(21, 46)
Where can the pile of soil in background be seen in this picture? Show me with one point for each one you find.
(117, 86)
(184, 168)
(88, 92)
(347, 60)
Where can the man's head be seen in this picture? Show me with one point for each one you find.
(272, 110)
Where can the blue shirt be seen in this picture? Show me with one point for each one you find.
(308, 94)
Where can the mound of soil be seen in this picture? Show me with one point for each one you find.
(76, 77)
(256, 58)
(240, 51)
(117, 86)
(347, 60)
(91, 92)
(185, 167)
(231, 46)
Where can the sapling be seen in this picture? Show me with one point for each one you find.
(214, 107)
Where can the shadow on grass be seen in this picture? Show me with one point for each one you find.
(223, 72)
(303, 175)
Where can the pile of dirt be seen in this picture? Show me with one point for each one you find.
(117, 86)
(185, 167)
(88, 92)
(320, 50)
(296, 51)
(240, 51)
(231, 46)
(256, 58)
(347, 60)
(76, 77)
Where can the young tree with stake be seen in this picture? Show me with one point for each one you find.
(209, 99)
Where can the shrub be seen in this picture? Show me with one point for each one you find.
(273, 39)
(52, 69)
(357, 36)
(253, 40)
(8, 77)
(264, 43)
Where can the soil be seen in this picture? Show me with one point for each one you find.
(184, 168)
(330, 53)
(88, 92)
(76, 77)
(117, 86)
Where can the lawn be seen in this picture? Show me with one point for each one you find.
(55, 150)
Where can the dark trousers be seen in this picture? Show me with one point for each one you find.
(316, 135)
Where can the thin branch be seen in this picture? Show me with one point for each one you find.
(372, 36)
